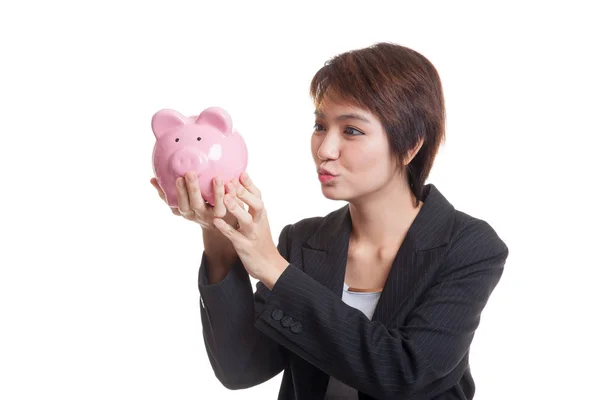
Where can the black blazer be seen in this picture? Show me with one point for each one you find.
(415, 347)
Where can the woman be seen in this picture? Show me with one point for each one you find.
(379, 299)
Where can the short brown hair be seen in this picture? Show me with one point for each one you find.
(402, 88)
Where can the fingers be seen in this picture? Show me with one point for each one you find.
(230, 189)
(254, 202)
(227, 230)
(162, 195)
(240, 202)
(191, 204)
(219, 209)
(154, 183)
(196, 202)
(183, 201)
(243, 217)
(249, 185)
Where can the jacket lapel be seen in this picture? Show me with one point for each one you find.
(325, 253)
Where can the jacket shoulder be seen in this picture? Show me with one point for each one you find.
(474, 234)
(300, 231)
(303, 228)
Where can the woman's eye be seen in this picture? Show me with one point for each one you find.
(350, 131)
(354, 132)
(318, 127)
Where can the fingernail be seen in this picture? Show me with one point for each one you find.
(190, 177)
(245, 177)
(180, 182)
(219, 181)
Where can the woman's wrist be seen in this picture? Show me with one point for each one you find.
(217, 247)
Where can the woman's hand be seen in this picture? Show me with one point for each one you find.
(191, 205)
(252, 240)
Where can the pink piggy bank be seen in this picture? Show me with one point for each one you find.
(206, 144)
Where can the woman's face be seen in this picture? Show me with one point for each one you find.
(350, 143)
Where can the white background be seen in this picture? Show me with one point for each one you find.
(98, 290)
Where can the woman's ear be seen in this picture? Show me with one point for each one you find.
(412, 153)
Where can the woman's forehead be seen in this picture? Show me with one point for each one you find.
(339, 109)
(330, 104)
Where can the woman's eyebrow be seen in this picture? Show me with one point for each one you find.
(344, 117)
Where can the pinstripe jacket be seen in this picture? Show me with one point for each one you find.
(416, 346)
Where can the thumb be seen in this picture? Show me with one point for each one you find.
(227, 230)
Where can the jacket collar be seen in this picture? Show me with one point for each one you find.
(325, 253)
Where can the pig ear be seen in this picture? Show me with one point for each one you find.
(217, 117)
(165, 120)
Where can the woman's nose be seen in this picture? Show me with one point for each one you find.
(329, 148)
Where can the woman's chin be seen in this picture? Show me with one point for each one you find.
(331, 193)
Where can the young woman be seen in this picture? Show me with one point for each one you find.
(379, 299)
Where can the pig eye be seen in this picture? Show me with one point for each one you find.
(198, 138)
(177, 139)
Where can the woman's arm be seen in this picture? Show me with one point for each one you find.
(219, 255)
(241, 356)
(415, 357)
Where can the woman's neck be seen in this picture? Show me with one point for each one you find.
(384, 219)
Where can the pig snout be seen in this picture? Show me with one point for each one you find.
(190, 159)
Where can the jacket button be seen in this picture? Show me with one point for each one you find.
(287, 321)
(277, 314)
(296, 327)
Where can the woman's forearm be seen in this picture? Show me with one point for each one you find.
(220, 255)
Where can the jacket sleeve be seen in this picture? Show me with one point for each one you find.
(241, 356)
(409, 357)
